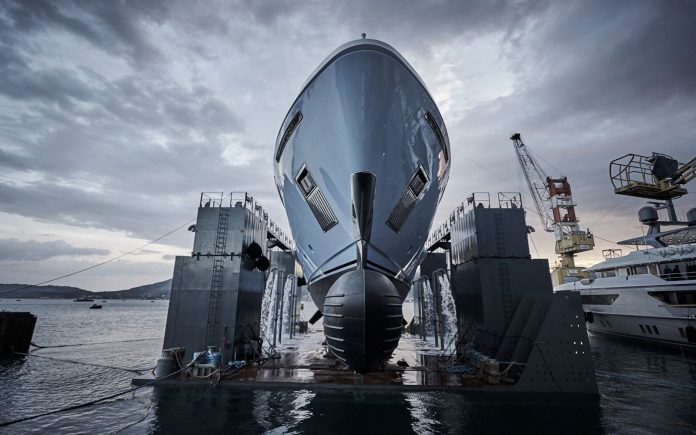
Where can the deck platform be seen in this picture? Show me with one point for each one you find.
(302, 363)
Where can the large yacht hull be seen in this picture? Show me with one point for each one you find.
(361, 161)
(642, 307)
(655, 331)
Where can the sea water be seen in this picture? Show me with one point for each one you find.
(642, 390)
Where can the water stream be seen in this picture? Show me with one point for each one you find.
(287, 302)
(449, 312)
(268, 305)
(428, 309)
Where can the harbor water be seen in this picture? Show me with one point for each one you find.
(642, 390)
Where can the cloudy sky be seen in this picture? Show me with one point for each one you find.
(115, 115)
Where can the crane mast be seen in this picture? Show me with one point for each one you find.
(536, 180)
(554, 204)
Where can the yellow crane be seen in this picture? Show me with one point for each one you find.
(556, 209)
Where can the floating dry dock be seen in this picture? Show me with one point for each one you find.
(303, 364)
(513, 333)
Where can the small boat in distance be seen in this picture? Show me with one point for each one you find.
(95, 307)
(83, 299)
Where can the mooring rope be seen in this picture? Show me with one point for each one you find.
(95, 343)
(96, 401)
(147, 412)
(658, 382)
(110, 260)
(132, 370)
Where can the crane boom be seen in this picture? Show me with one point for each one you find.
(536, 180)
(556, 209)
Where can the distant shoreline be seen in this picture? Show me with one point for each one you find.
(158, 290)
(96, 298)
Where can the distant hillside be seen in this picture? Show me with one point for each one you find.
(149, 291)
(49, 291)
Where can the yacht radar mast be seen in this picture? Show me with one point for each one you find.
(659, 177)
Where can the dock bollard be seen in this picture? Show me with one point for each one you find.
(165, 364)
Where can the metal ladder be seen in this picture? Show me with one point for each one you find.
(216, 281)
(505, 291)
(499, 234)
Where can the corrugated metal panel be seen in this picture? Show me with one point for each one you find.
(487, 292)
(401, 210)
(489, 233)
(321, 209)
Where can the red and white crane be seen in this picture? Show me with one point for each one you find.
(554, 204)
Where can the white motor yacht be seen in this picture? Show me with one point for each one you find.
(649, 294)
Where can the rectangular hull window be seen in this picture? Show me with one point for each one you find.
(599, 299)
(316, 200)
(288, 133)
(438, 134)
(306, 182)
(407, 200)
(418, 182)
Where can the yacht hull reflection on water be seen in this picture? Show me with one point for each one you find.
(361, 162)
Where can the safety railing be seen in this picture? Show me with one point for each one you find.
(244, 200)
(631, 168)
(476, 199)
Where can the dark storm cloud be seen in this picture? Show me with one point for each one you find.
(113, 26)
(596, 80)
(198, 91)
(51, 86)
(157, 104)
(429, 23)
(146, 193)
(136, 186)
(32, 250)
(614, 57)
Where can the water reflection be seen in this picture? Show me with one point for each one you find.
(282, 411)
(643, 390)
(338, 411)
(422, 410)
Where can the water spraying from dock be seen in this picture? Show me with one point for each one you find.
(268, 304)
(448, 310)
